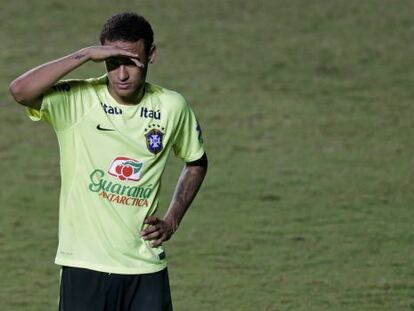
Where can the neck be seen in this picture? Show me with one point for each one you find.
(132, 99)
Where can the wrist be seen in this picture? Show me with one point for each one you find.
(82, 55)
(172, 223)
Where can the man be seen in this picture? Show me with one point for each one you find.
(115, 133)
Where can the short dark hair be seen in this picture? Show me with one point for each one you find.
(127, 26)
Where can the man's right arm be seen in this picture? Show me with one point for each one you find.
(28, 89)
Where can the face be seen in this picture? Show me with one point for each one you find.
(126, 79)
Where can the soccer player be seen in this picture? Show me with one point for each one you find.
(115, 133)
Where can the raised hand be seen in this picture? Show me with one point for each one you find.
(104, 52)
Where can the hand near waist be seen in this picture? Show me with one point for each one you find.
(158, 231)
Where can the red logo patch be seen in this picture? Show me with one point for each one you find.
(125, 169)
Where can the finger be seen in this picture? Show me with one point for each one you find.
(122, 52)
(149, 230)
(153, 236)
(137, 62)
(151, 220)
(133, 56)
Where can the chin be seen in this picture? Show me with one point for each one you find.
(125, 93)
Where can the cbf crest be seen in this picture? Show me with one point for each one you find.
(154, 139)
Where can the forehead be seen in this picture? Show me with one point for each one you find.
(135, 47)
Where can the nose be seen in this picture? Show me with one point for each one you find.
(123, 73)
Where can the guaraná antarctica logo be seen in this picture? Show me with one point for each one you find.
(124, 169)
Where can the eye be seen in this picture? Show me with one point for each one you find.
(112, 63)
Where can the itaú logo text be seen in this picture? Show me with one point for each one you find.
(125, 169)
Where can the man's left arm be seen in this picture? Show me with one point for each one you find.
(191, 178)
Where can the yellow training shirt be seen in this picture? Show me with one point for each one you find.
(112, 157)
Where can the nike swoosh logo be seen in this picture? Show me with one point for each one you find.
(98, 127)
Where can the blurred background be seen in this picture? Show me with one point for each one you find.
(307, 111)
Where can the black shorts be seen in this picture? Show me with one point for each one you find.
(88, 290)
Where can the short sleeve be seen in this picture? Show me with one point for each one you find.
(188, 144)
(61, 105)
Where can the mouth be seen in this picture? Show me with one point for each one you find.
(123, 86)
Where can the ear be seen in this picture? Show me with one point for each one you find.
(152, 54)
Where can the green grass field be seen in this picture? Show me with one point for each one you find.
(307, 110)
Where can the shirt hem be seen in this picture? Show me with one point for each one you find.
(106, 269)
